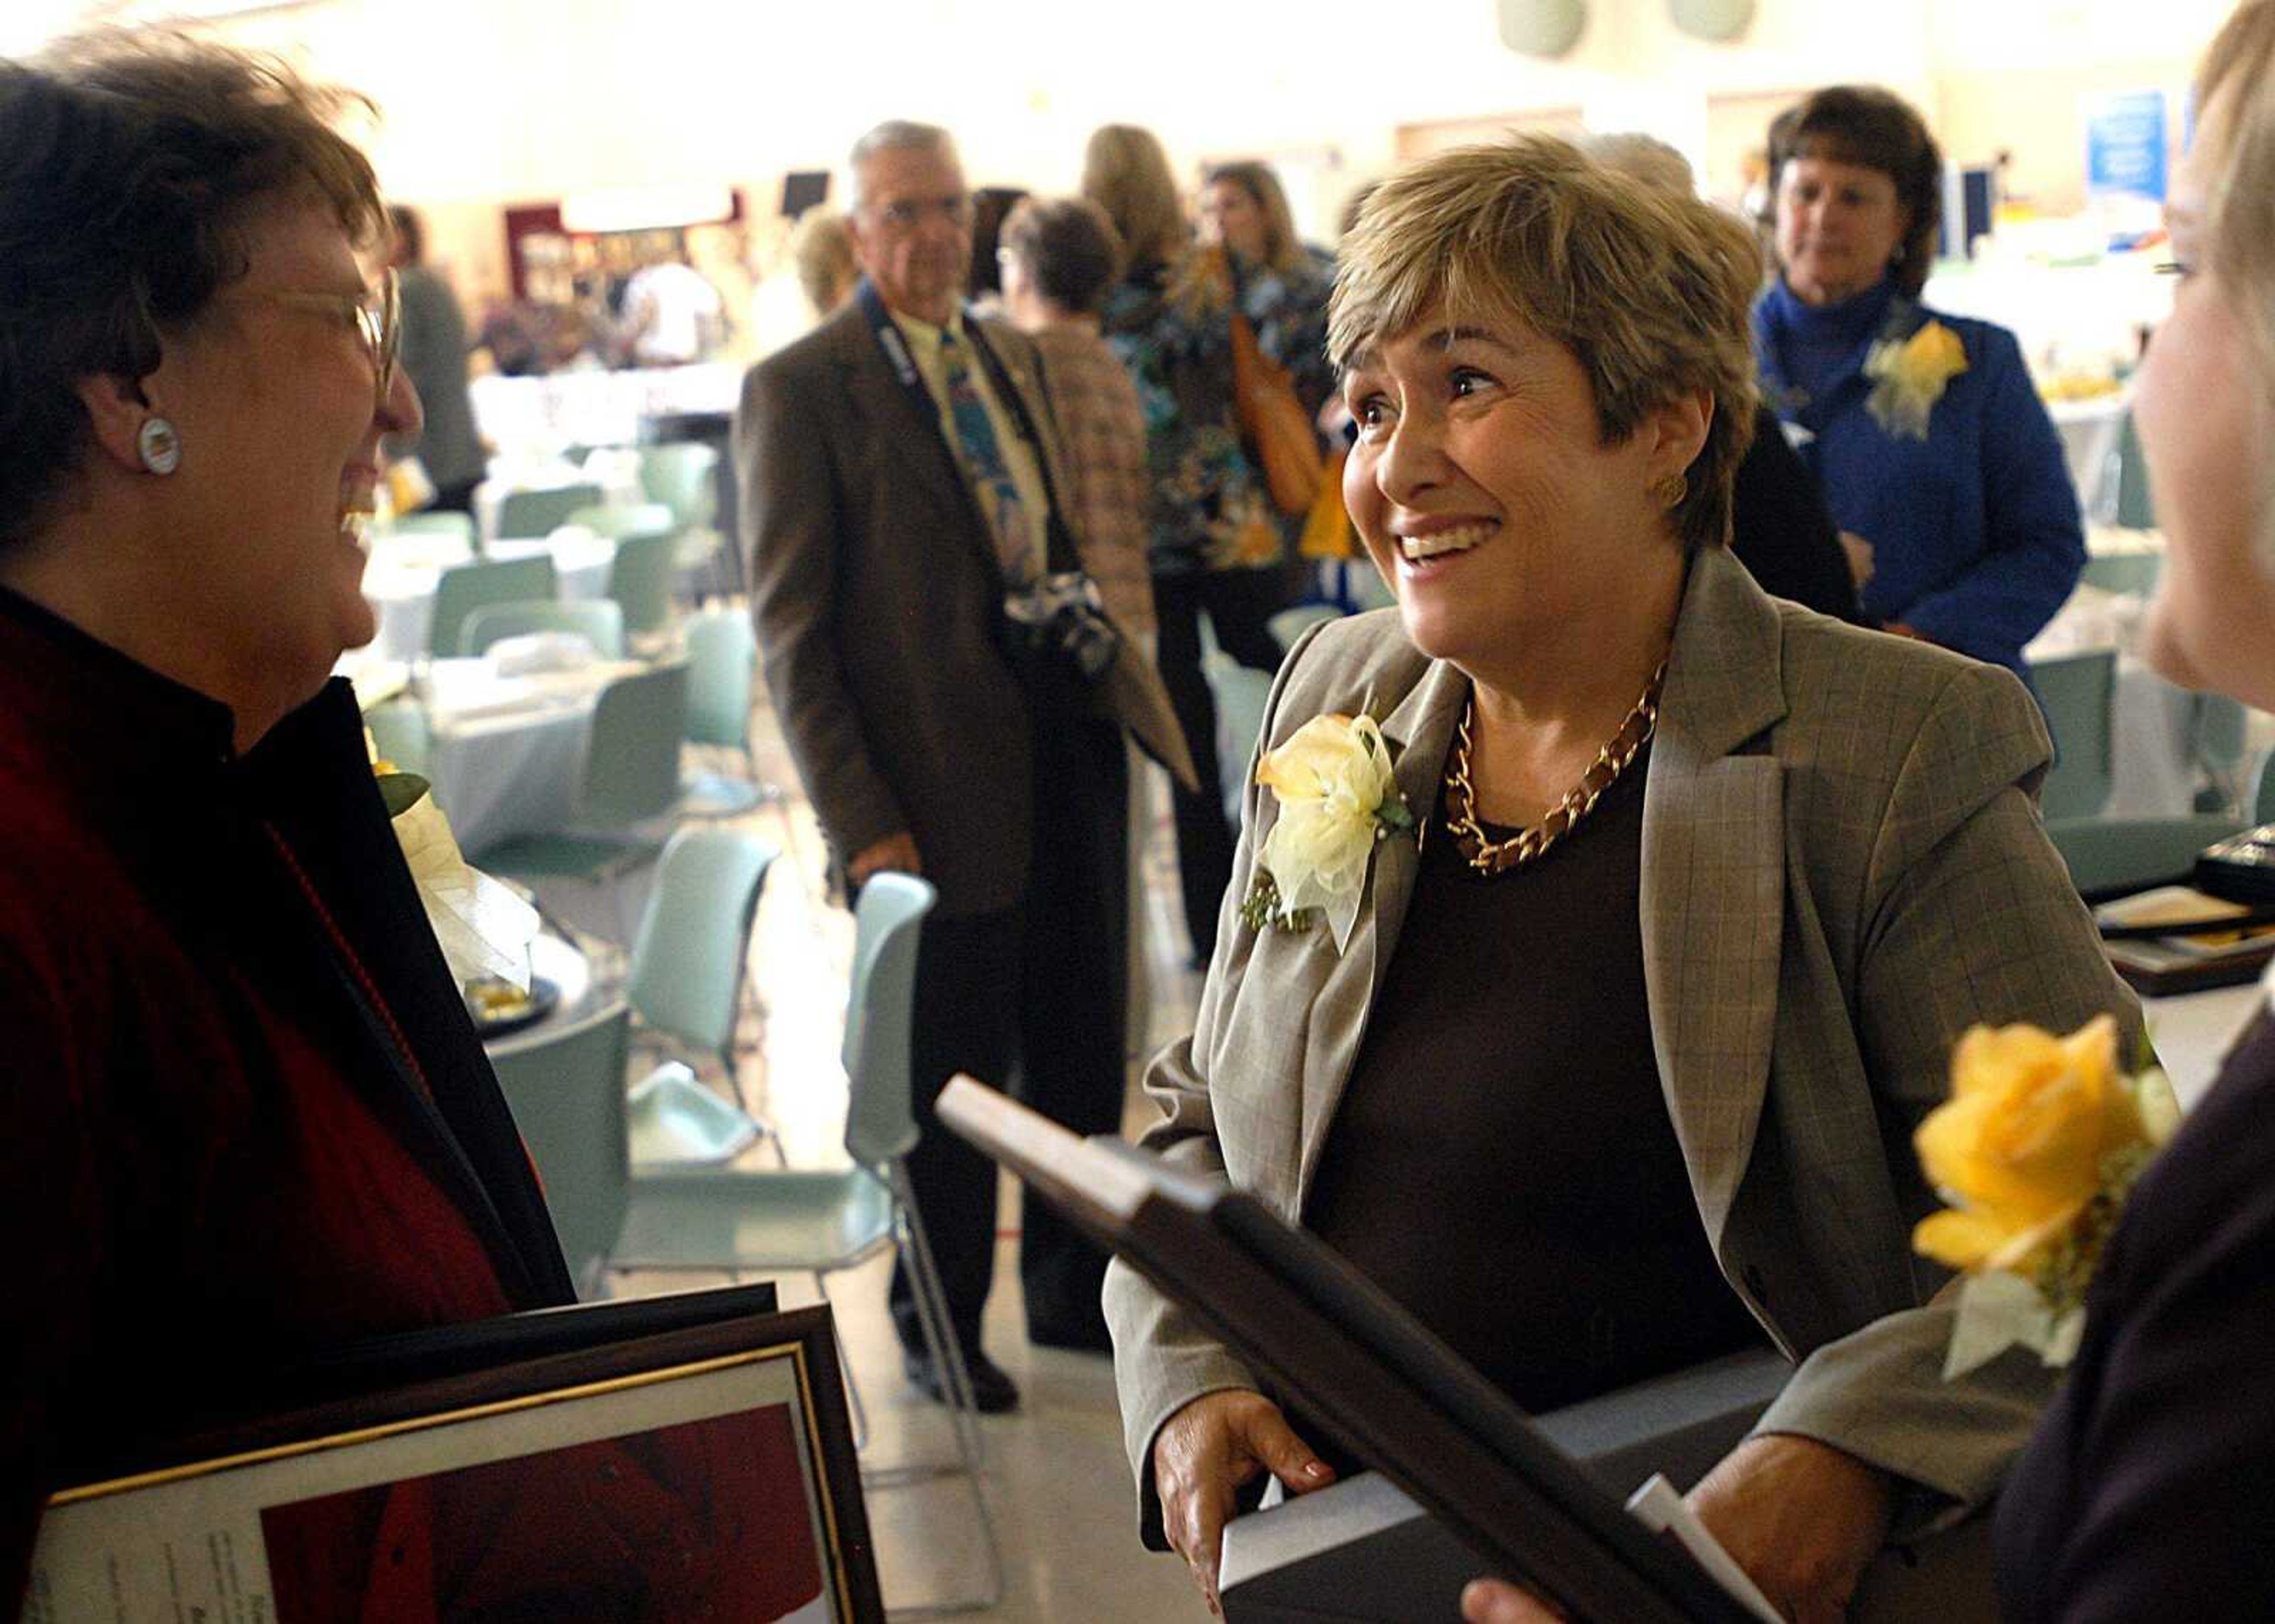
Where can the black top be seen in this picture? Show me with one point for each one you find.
(2147, 1491)
(1782, 530)
(1502, 1162)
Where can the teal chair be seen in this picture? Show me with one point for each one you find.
(567, 1098)
(465, 588)
(597, 620)
(1291, 624)
(451, 526)
(640, 580)
(566, 1092)
(2219, 740)
(2124, 572)
(723, 669)
(642, 519)
(1240, 693)
(2115, 856)
(2136, 508)
(535, 515)
(399, 732)
(632, 777)
(689, 969)
(682, 476)
(2078, 693)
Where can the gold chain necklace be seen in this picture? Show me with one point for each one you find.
(1498, 856)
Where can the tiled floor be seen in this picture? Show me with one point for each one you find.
(1055, 1483)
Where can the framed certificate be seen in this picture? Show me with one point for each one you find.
(704, 1470)
(1386, 1389)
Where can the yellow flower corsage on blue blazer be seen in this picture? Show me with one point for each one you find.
(1910, 376)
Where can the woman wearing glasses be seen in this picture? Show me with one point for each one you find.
(248, 1116)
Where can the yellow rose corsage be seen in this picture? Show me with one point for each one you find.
(1910, 376)
(2035, 1152)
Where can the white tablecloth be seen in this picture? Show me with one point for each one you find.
(507, 755)
(400, 582)
(2192, 1034)
(2089, 432)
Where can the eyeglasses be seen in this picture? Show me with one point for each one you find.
(377, 314)
(906, 214)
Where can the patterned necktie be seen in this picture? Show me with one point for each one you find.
(984, 464)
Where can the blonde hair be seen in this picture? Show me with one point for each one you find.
(1649, 289)
(1125, 172)
(821, 249)
(1283, 250)
(2238, 227)
(2240, 204)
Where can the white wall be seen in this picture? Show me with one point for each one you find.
(488, 102)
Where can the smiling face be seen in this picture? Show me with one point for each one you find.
(1838, 224)
(912, 231)
(280, 424)
(2202, 407)
(1484, 493)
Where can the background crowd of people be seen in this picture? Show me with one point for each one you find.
(1614, 1067)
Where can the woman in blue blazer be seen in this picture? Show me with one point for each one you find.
(1939, 462)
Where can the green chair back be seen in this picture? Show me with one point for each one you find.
(631, 768)
(1241, 693)
(644, 518)
(2136, 510)
(880, 1012)
(692, 949)
(683, 476)
(2218, 739)
(2127, 572)
(398, 729)
(566, 1092)
(597, 620)
(1291, 624)
(722, 666)
(535, 515)
(452, 525)
(465, 588)
(2077, 692)
(641, 581)
(2115, 856)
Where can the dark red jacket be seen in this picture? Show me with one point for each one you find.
(241, 1124)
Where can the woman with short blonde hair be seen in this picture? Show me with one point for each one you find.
(1640, 281)
(1595, 1035)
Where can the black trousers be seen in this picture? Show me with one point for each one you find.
(1240, 604)
(1031, 999)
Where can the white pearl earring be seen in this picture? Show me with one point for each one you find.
(160, 446)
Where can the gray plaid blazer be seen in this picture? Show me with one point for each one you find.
(1843, 868)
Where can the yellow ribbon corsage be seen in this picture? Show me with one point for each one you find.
(1910, 376)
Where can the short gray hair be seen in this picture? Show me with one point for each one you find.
(1646, 157)
(894, 135)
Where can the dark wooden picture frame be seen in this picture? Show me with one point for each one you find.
(634, 1372)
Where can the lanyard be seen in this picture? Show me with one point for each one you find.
(1059, 546)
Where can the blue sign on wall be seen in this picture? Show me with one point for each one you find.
(2125, 144)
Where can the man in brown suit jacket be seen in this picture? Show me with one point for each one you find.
(898, 468)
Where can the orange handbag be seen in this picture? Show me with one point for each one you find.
(1274, 422)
